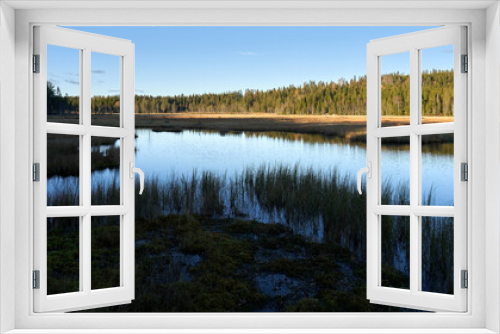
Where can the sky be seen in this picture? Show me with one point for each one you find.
(197, 60)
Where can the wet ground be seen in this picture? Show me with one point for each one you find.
(195, 264)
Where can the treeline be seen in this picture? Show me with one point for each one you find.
(319, 98)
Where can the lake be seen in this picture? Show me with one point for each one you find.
(168, 156)
(305, 183)
(167, 153)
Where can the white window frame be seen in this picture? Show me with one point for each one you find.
(413, 43)
(123, 50)
(484, 308)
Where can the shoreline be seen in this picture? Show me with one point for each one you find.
(352, 128)
(330, 126)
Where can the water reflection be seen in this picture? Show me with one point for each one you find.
(199, 181)
(166, 154)
(224, 163)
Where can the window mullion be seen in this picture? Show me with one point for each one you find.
(392, 131)
(419, 129)
(434, 211)
(414, 170)
(81, 248)
(109, 132)
(86, 184)
(85, 154)
(66, 129)
(86, 254)
(86, 168)
(434, 129)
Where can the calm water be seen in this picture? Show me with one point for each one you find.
(165, 154)
(169, 155)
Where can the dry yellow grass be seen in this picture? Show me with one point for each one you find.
(351, 127)
(330, 125)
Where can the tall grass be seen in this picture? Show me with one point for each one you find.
(322, 205)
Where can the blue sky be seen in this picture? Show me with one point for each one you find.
(187, 60)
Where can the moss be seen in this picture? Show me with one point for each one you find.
(224, 277)
(291, 268)
(394, 278)
(327, 280)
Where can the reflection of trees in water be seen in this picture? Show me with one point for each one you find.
(441, 144)
(63, 154)
(309, 138)
(436, 144)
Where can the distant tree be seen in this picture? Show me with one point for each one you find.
(341, 98)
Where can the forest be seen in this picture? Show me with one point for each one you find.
(344, 97)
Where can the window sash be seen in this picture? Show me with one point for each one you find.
(414, 298)
(85, 298)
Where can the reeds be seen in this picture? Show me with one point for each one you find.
(323, 206)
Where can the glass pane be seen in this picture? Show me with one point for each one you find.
(396, 252)
(63, 170)
(437, 84)
(105, 171)
(395, 89)
(105, 252)
(437, 170)
(63, 255)
(63, 84)
(105, 90)
(395, 171)
(437, 254)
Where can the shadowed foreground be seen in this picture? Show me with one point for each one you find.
(197, 250)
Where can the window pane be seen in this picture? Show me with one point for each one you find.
(105, 171)
(63, 84)
(437, 170)
(63, 258)
(396, 252)
(395, 171)
(395, 90)
(63, 170)
(437, 254)
(105, 252)
(105, 90)
(437, 84)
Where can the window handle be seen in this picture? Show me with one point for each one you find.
(134, 170)
(368, 171)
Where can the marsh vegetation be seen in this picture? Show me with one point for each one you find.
(197, 251)
(233, 220)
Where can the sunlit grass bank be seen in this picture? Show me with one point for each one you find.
(352, 128)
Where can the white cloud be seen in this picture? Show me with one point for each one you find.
(73, 82)
(72, 74)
